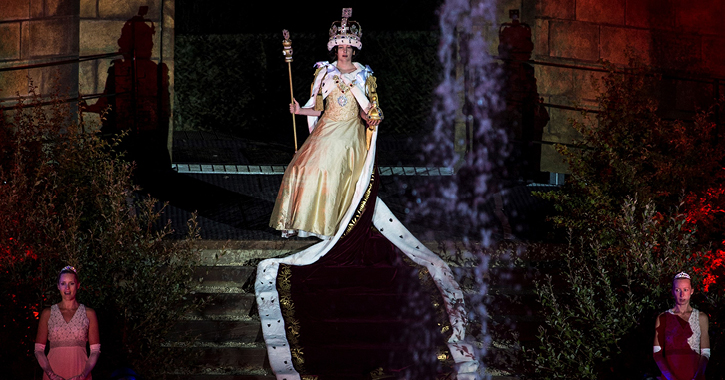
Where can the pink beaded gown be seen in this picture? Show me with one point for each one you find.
(68, 340)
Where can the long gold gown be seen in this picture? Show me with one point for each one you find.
(319, 183)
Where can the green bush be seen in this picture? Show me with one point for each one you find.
(628, 150)
(644, 200)
(603, 297)
(66, 199)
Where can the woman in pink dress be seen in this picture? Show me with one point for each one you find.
(682, 343)
(68, 325)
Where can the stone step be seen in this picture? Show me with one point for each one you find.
(207, 356)
(219, 331)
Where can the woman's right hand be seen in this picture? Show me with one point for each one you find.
(294, 107)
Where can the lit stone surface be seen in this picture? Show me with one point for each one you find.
(12, 82)
(554, 80)
(560, 9)
(37, 9)
(14, 9)
(51, 37)
(574, 40)
(89, 8)
(615, 42)
(602, 12)
(54, 8)
(10, 41)
(702, 16)
(713, 54)
(655, 14)
(124, 10)
(540, 37)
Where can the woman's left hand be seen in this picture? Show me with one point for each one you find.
(371, 123)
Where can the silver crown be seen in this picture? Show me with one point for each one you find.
(682, 275)
(345, 32)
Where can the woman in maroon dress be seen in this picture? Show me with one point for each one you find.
(682, 343)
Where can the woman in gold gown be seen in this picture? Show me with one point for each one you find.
(319, 183)
(341, 307)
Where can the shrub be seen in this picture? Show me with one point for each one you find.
(66, 199)
(643, 202)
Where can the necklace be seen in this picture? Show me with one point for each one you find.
(341, 85)
(342, 99)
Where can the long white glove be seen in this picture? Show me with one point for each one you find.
(44, 363)
(90, 363)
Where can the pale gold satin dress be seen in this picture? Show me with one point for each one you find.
(319, 183)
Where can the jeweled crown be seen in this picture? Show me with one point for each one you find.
(345, 32)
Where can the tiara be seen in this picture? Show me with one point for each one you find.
(682, 275)
(69, 268)
(345, 32)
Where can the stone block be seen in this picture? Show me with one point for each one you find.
(650, 14)
(558, 9)
(61, 79)
(168, 43)
(676, 51)
(89, 8)
(703, 16)
(50, 37)
(713, 55)
(601, 12)
(571, 39)
(503, 7)
(553, 81)
(692, 96)
(12, 83)
(9, 41)
(55, 8)
(540, 37)
(87, 77)
(124, 10)
(101, 36)
(588, 85)
(552, 161)
(170, 65)
(559, 129)
(14, 10)
(618, 44)
(37, 8)
(169, 13)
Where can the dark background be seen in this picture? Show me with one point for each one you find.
(234, 16)
(231, 77)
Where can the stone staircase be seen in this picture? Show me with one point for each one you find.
(229, 343)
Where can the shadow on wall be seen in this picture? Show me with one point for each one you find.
(136, 100)
(525, 116)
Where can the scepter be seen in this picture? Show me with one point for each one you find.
(287, 52)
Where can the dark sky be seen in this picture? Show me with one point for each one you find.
(261, 16)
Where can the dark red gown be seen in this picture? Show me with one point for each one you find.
(672, 334)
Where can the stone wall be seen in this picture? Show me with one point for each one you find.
(101, 26)
(680, 37)
(33, 32)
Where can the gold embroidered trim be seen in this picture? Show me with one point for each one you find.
(292, 325)
(360, 207)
